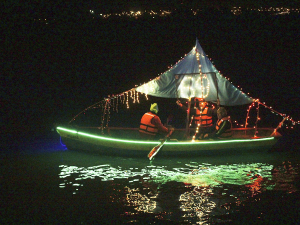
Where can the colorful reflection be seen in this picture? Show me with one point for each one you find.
(193, 191)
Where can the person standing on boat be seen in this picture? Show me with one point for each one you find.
(202, 118)
(151, 126)
(223, 128)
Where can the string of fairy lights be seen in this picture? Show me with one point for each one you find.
(285, 117)
(132, 96)
(201, 77)
(236, 10)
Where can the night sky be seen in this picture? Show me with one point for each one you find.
(56, 67)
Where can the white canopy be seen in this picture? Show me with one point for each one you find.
(195, 76)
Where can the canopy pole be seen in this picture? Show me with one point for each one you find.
(218, 101)
(187, 127)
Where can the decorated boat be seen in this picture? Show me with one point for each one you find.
(194, 76)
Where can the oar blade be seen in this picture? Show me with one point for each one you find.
(154, 151)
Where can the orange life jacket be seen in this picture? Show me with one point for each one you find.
(146, 126)
(203, 118)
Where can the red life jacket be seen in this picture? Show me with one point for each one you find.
(146, 126)
(203, 118)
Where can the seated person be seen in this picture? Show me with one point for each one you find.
(202, 117)
(223, 125)
(151, 126)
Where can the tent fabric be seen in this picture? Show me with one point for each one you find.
(195, 77)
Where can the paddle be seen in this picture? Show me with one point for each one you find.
(156, 149)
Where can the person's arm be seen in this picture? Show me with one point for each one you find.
(157, 122)
(183, 107)
(213, 110)
(225, 125)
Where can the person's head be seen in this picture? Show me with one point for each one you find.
(154, 108)
(202, 102)
(221, 113)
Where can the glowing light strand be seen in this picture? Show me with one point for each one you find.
(281, 114)
(285, 117)
(135, 96)
(103, 115)
(202, 77)
(127, 104)
(257, 119)
(247, 117)
(108, 112)
(117, 105)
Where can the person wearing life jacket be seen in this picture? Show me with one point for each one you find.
(223, 128)
(151, 126)
(202, 116)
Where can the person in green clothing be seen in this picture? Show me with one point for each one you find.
(223, 128)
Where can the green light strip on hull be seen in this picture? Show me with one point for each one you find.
(167, 143)
(107, 139)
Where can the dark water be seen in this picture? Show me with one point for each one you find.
(44, 183)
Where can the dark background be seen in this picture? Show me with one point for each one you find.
(59, 58)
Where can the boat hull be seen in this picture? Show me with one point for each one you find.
(104, 144)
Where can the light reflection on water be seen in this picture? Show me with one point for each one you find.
(186, 189)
